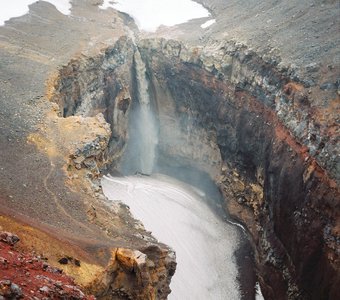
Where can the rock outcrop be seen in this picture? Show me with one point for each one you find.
(132, 274)
(101, 84)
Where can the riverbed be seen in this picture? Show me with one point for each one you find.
(179, 216)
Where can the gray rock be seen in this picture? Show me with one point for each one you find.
(9, 238)
(10, 290)
(63, 261)
(16, 291)
(326, 86)
(44, 289)
(312, 67)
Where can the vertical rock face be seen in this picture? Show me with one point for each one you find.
(100, 84)
(278, 173)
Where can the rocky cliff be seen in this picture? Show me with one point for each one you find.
(279, 163)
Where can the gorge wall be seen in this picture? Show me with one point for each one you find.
(250, 122)
(279, 164)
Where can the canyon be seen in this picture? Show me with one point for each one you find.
(250, 102)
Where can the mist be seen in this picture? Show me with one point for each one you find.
(140, 155)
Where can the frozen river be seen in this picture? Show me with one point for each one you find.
(178, 216)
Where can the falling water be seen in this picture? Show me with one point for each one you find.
(148, 138)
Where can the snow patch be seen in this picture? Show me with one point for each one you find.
(150, 14)
(258, 295)
(208, 23)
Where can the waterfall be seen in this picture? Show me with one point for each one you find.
(148, 135)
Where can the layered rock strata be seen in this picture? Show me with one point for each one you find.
(279, 171)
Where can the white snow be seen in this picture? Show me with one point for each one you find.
(178, 216)
(17, 8)
(208, 23)
(150, 14)
(64, 6)
(258, 295)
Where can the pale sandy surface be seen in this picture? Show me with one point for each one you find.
(178, 216)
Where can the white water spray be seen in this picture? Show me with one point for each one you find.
(148, 138)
